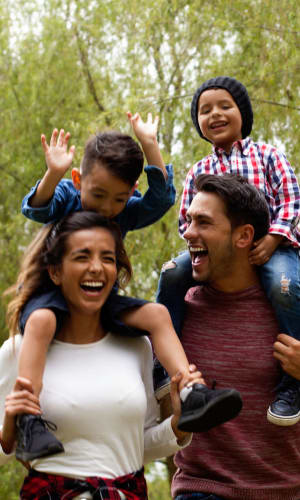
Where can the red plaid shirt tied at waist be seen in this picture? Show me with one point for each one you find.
(42, 486)
(266, 168)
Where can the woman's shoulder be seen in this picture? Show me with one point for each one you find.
(140, 345)
(138, 342)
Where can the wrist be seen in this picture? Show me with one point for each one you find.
(180, 435)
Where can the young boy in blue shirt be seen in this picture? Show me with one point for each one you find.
(222, 114)
(106, 183)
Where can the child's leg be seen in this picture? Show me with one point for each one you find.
(41, 317)
(38, 334)
(175, 280)
(156, 319)
(202, 408)
(280, 278)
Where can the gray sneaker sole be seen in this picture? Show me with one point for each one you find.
(284, 421)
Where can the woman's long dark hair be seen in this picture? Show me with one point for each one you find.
(47, 249)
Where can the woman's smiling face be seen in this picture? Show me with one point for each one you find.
(88, 270)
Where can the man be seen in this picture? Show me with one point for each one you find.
(228, 332)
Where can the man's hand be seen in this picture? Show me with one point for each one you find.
(264, 249)
(175, 399)
(287, 351)
(57, 156)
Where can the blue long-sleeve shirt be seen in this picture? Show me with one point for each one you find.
(140, 211)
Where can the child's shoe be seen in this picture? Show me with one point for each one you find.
(34, 439)
(285, 410)
(205, 408)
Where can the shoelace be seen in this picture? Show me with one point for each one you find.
(43, 424)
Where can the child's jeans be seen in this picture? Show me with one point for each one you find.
(280, 278)
(173, 285)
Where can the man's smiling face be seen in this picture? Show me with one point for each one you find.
(210, 239)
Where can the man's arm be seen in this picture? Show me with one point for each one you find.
(287, 351)
(146, 133)
(58, 160)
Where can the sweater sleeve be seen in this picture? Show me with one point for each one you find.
(8, 375)
(159, 438)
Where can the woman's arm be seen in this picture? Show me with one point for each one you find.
(20, 400)
(162, 439)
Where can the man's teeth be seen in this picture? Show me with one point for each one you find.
(197, 249)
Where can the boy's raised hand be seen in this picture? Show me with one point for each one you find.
(144, 131)
(57, 155)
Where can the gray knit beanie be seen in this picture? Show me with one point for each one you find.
(238, 92)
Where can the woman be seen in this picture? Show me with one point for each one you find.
(97, 385)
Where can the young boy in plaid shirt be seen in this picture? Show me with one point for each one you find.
(222, 114)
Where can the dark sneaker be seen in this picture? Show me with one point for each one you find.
(161, 381)
(34, 438)
(205, 408)
(285, 410)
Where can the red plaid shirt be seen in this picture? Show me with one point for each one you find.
(42, 486)
(266, 168)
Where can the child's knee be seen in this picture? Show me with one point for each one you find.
(168, 265)
(283, 291)
(173, 272)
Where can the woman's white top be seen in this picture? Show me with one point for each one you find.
(100, 396)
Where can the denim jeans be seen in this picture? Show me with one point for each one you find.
(198, 496)
(172, 287)
(280, 278)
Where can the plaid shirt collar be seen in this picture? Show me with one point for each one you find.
(243, 145)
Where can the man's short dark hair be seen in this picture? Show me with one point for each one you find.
(245, 204)
(117, 152)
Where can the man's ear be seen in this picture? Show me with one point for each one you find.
(54, 273)
(243, 236)
(134, 187)
(76, 178)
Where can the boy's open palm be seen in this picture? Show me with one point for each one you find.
(144, 130)
(57, 155)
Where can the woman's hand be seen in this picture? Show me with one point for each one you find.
(176, 402)
(20, 400)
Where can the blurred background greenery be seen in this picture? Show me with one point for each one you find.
(81, 65)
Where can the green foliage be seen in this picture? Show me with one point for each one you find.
(12, 475)
(81, 65)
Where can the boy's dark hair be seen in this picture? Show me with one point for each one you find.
(245, 204)
(117, 152)
(239, 94)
